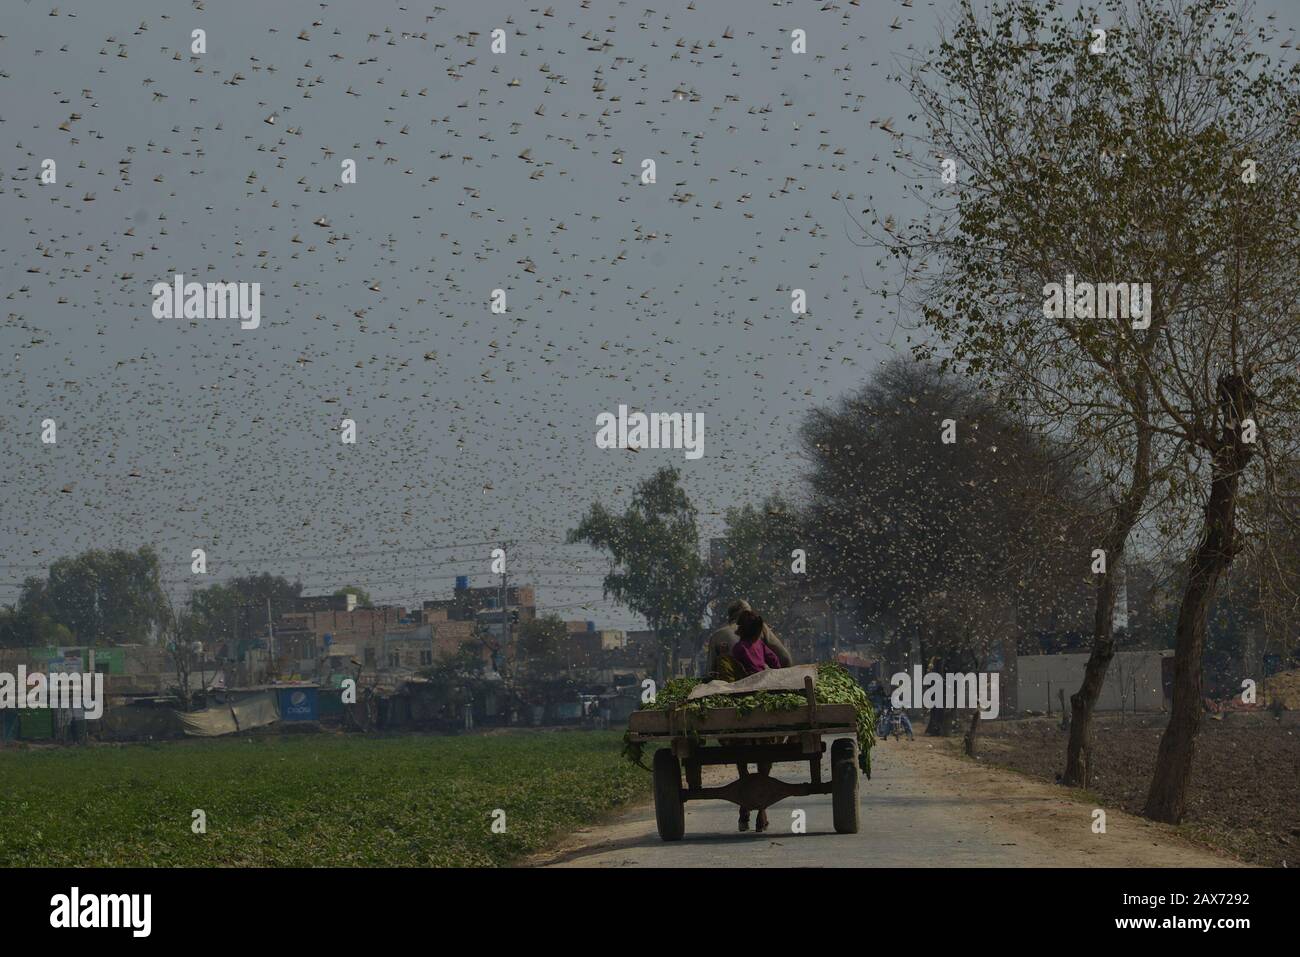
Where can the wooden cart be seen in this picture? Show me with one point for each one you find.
(794, 735)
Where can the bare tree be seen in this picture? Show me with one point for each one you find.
(1161, 151)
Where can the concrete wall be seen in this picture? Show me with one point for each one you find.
(1040, 675)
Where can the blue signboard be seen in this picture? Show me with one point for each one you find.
(298, 704)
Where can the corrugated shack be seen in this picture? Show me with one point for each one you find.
(421, 704)
(140, 719)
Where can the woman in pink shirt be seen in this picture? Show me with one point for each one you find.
(751, 652)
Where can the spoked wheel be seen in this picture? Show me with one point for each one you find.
(670, 811)
(844, 785)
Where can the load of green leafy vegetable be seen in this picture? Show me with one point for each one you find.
(834, 685)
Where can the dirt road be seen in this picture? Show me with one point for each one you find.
(922, 808)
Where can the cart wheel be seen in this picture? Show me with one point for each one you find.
(844, 786)
(670, 812)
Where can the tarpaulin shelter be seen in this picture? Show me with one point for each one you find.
(255, 711)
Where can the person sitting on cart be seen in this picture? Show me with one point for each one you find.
(750, 651)
(722, 665)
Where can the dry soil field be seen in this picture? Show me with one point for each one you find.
(1245, 795)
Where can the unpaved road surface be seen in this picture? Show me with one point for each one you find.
(922, 808)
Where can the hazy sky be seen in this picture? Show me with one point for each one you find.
(475, 171)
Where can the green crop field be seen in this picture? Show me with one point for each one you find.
(310, 800)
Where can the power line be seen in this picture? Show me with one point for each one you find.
(337, 555)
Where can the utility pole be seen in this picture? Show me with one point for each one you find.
(270, 637)
(507, 629)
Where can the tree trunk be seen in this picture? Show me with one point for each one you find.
(1167, 799)
(942, 719)
(941, 722)
(1082, 702)
(1010, 704)
(1094, 673)
(971, 732)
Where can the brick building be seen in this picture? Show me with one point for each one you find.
(466, 603)
(359, 633)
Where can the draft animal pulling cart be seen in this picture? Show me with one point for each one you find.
(756, 737)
